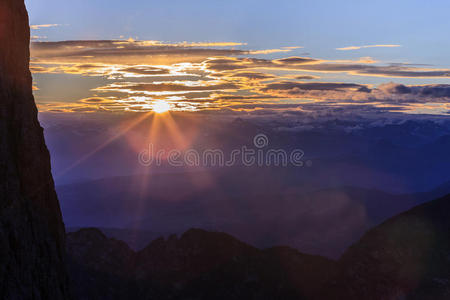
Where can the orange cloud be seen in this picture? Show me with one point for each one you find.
(132, 74)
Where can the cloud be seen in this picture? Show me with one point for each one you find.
(182, 44)
(306, 77)
(362, 67)
(367, 46)
(216, 76)
(210, 44)
(392, 93)
(151, 54)
(37, 27)
(167, 88)
(97, 100)
(294, 87)
(427, 91)
(251, 75)
(145, 70)
(241, 98)
(38, 37)
(289, 63)
(271, 51)
(296, 60)
(285, 96)
(318, 91)
(126, 52)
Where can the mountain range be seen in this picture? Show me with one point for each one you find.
(288, 212)
(405, 257)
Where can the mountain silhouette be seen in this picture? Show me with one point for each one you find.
(197, 265)
(405, 257)
(323, 221)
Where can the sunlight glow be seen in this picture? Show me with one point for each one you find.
(161, 106)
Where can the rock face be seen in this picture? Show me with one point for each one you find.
(31, 229)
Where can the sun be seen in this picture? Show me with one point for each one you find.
(160, 106)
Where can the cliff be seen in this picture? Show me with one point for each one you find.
(31, 228)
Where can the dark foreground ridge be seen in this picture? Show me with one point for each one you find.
(407, 257)
(31, 229)
(198, 265)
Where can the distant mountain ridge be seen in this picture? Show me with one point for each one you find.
(323, 221)
(406, 257)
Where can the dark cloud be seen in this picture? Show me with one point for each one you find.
(314, 65)
(392, 88)
(306, 77)
(38, 69)
(88, 66)
(242, 98)
(252, 75)
(371, 70)
(432, 90)
(221, 65)
(169, 87)
(263, 105)
(145, 70)
(118, 51)
(95, 100)
(442, 90)
(296, 60)
(392, 71)
(297, 87)
(239, 63)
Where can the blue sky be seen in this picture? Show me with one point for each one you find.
(321, 26)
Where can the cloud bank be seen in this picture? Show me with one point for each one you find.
(132, 74)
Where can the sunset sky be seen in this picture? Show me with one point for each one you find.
(115, 56)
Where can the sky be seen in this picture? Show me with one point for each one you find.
(115, 56)
(361, 88)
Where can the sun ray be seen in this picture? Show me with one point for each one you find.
(102, 146)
